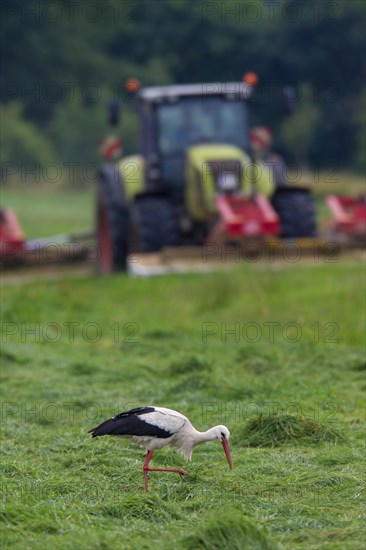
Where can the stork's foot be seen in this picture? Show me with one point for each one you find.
(174, 470)
(146, 469)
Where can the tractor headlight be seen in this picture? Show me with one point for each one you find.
(227, 174)
(228, 181)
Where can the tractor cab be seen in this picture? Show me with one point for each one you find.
(177, 118)
(195, 141)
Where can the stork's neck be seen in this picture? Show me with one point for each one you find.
(209, 435)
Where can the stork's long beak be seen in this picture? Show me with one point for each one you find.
(226, 448)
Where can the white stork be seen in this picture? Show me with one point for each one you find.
(155, 427)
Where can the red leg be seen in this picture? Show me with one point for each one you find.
(147, 469)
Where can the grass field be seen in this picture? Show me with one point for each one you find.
(275, 351)
(44, 212)
(292, 396)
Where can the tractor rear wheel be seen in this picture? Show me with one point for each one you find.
(296, 210)
(112, 222)
(156, 224)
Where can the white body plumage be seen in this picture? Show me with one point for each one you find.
(185, 437)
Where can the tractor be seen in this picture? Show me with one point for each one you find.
(196, 179)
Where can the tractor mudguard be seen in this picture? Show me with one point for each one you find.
(131, 170)
(112, 220)
(111, 185)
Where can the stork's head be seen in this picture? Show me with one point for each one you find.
(223, 434)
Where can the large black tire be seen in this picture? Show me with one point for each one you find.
(296, 210)
(112, 221)
(155, 224)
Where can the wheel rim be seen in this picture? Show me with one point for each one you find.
(105, 241)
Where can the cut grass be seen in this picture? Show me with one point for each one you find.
(302, 483)
(279, 429)
(229, 529)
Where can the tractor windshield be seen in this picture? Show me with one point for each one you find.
(203, 119)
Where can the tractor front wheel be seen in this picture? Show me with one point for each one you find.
(296, 210)
(156, 224)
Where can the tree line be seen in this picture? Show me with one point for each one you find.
(63, 60)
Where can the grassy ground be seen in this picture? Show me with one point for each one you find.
(44, 212)
(289, 383)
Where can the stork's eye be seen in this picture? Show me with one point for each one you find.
(223, 435)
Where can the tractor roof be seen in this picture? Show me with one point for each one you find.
(226, 89)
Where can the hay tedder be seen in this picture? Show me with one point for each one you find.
(349, 216)
(12, 240)
(16, 250)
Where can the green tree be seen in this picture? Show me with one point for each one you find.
(23, 145)
(298, 131)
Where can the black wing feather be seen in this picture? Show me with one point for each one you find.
(129, 423)
(139, 410)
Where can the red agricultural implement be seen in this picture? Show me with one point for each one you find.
(242, 217)
(349, 216)
(12, 241)
(16, 250)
